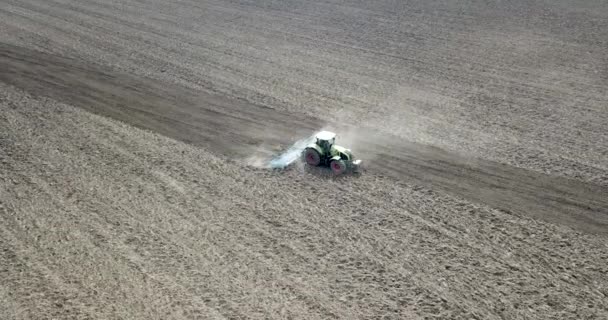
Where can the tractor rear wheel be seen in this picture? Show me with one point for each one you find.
(312, 157)
(337, 166)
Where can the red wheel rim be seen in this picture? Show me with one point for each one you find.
(336, 166)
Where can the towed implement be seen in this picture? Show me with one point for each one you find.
(324, 152)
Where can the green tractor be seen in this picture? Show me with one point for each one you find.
(324, 152)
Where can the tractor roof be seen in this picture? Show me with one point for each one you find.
(325, 135)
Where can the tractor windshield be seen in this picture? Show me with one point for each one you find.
(325, 144)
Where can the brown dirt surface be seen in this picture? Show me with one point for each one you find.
(127, 130)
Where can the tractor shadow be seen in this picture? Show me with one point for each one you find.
(326, 173)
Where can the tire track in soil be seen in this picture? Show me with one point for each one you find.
(236, 128)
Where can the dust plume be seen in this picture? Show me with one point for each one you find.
(264, 158)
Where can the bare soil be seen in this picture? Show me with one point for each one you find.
(127, 127)
(237, 129)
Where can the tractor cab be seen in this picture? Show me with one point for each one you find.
(324, 152)
(325, 140)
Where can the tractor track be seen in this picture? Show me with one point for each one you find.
(236, 128)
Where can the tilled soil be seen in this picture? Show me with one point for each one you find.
(483, 127)
(517, 82)
(237, 129)
(101, 220)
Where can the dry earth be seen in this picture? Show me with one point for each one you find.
(483, 125)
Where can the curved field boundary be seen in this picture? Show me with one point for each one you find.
(235, 128)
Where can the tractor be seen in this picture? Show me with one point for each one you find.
(324, 152)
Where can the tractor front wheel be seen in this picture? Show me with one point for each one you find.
(312, 157)
(337, 166)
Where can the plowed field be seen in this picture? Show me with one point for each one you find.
(128, 131)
